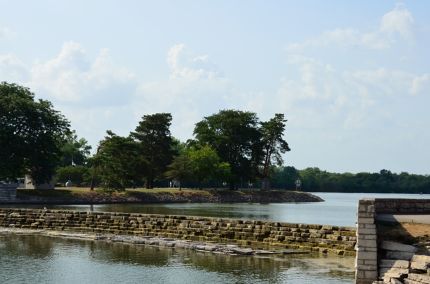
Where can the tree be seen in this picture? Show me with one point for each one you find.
(284, 177)
(31, 135)
(235, 137)
(180, 169)
(75, 151)
(76, 174)
(117, 162)
(207, 165)
(273, 145)
(156, 144)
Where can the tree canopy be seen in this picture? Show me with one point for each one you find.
(117, 162)
(31, 134)
(273, 145)
(156, 145)
(234, 135)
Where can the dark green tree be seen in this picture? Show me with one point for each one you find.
(117, 162)
(75, 151)
(76, 174)
(234, 135)
(156, 145)
(273, 145)
(284, 177)
(180, 169)
(207, 165)
(32, 134)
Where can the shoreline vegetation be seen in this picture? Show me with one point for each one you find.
(160, 195)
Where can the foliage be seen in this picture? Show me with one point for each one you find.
(76, 174)
(156, 145)
(180, 169)
(75, 151)
(207, 165)
(314, 179)
(273, 145)
(31, 134)
(117, 162)
(284, 177)
(235, 137)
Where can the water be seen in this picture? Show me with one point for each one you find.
(338, 209)
(41, 259)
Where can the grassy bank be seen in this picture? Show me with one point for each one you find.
(159, 195)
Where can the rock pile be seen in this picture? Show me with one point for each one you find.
(400, 263)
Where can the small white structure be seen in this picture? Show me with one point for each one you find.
(28, 184)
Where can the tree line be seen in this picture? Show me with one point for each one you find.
(231, 148)
(316, 180)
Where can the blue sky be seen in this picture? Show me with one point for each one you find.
(352, 77)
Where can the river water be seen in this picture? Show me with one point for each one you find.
(338, 209)
(42, 259)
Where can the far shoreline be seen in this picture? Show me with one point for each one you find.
(85, 196)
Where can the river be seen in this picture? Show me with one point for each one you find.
(338, 209)
(42, 259)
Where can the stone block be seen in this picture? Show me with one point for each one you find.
(395, 246)
(366, 220)
(393, 272)
(366, 231)
(390, 263)
(408, 281)
(421, 258)
(423, 278)
(366, 243)
(370, 255)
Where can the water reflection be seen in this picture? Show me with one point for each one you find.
(40, 259)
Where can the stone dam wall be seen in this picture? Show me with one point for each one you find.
(318, 238)
(381, 260)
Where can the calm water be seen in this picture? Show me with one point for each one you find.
(337, 209)
(39, 259)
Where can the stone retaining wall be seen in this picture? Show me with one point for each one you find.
(377, 258)
(319, 238)
(7, 193)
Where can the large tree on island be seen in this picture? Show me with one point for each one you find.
(156, 145)
(274, 146)
(234, 135)
(31, 135)
(118, 162)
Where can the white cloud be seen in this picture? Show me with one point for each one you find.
(12, 69)
(184, 64)
(194, 88)
(72, 77)
(421, 84)
(397, 22)
(324, 97)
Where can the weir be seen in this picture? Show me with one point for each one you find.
(318, 238)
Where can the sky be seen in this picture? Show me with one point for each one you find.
(351, 77)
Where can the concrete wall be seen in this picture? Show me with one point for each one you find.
(370, 244)
(7, 192)
(324, 239)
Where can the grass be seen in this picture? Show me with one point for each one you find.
(80, 191)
